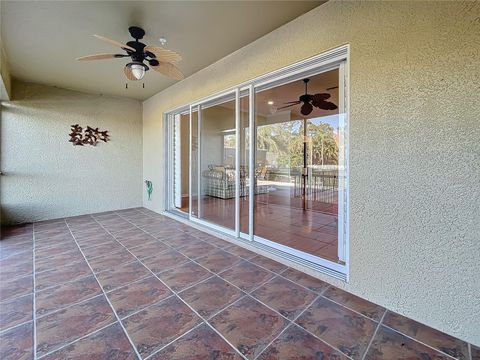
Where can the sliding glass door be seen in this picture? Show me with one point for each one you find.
(267, 163)
(214, 161)
(298, 166)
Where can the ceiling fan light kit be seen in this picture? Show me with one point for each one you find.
(161, 60)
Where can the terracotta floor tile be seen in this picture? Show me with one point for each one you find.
(371, 310)
(184, 275)
(16, 311)
(441, 341)
(308, 281)
(96, 251)
(180, 240)
(342, 328)
(61, 275)
(149, 249)
(61, 327)
(13, 287)
(96, 240)
(210, 296)
(11, 267)
(17, 343)
(246, 276)
(109, 344)
(240, 251)
(159, 324)
(287, 298)
(15, 248)
(138, 295)
(218, 260)
(14, 230)
(58, 260)
(46, 252)
(164, 261)
(17, 257)
(213, 240)
(111, 261)
(197, 249)
(60, 296)
(269, 264)
(56, 231)
(53, 241)
(120, 276)
(249, 325)
(388, 344)
(200, 343)
(296, 343)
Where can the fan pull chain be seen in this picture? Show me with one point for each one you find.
(126, 85)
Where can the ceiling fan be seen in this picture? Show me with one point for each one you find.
(160, 59)
(309, 101)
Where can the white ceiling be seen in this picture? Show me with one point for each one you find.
(43, 38)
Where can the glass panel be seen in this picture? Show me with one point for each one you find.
(244, 162)
(297, 165)
(217, 163)
(194, 161)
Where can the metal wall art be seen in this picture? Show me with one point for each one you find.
(87, 136)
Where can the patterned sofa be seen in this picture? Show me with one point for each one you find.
(219, 182)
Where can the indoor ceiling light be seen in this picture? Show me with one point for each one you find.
(138, 70)
(270, 102)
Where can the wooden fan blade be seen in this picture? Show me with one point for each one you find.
(169, 70)
(294, 103)
(99, 57)
(163, 55)
(307, 108)
(129, 74)
(320, 97)
(115, 43)
(331, 88)
(326, 105)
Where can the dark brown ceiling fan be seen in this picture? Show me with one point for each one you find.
(309, 101)
(160, 59)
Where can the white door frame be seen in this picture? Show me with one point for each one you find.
(337, 58)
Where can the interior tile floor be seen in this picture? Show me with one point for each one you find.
(279, 218)
(133, 284)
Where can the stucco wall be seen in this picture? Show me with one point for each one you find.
(45, 176)
(414, 146)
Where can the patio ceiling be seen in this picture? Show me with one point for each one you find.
(43, 38)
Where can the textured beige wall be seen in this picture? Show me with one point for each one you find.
(45, 176)
(414, 146)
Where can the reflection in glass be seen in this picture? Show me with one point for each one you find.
(297, 166)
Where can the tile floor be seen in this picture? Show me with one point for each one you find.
(133, 284)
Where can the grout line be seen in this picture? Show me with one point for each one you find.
(419, 341)
(188, 305)
(106, 297)
(374, 334)
(78, 339)
(174, 340)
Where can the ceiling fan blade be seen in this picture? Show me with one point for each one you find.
(115, 43)
(322, 96)
(163, 55)
(129, 74)
(306, 109)
(100, 57)
(169, 70)
(331, 88)
(326, 105)
(294, 103)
